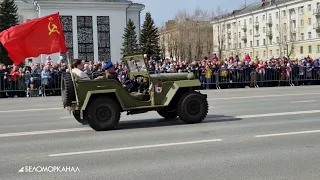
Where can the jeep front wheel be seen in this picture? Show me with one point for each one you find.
(168, 113)
(192, 107)
(104, 114)
(76, 115)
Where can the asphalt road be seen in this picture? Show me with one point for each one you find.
(267, 133)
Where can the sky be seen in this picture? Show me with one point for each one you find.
(163, 10)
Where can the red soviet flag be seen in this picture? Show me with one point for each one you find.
(33, 38)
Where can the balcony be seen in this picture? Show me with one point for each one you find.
(316, 12)
(316, 26)
(244, 28)
(269, 34)
(256, 24)
(293, 17)
(244, 38)
(269, 22)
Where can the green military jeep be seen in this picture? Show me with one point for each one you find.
(100, 102)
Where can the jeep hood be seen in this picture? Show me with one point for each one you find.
(163, 77)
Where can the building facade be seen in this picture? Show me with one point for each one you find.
(271, 28)
(93, 29)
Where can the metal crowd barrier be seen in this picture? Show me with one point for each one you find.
(218, 79)
(255, 78)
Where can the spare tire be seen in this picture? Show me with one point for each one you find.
(67, 90)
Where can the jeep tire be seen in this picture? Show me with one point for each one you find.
(168, 112)
(76, 115)
(104, 114)
(192, 107)
(67, 90)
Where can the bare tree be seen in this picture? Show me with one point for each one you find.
(287, 40)
(190, 36)
(220, 32)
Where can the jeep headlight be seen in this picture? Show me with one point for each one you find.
(190, 76)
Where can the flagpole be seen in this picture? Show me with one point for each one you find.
(73, 82)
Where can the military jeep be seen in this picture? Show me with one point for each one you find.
(101, 102)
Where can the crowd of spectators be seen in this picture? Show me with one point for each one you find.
(44, 79)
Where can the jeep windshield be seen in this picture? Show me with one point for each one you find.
(137, 65)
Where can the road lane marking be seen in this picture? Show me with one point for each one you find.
(278, 114)
(44, 132)
(262, 96)
(66, 117)
(303, 101)
(287, 134)
(136, 147)
(210, 119)
(27, 110)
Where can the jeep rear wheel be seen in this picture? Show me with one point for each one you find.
(104, 114)
(76, 115)
(67, 90)
(168, 113)
(192, 107)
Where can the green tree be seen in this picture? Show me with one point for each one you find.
(149, 38)
(129, 44)
(8, 18)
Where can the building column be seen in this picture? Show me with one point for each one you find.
(75, 37)
(95, 38)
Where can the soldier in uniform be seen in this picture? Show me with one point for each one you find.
(110, 72)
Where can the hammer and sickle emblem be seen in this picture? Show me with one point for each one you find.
(52, 27)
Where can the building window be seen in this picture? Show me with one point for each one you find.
(302, 23)
(284, 27)
(318, 48)
(85, 38)
(264, 53)
(235, 45)
(257, 53)
(66, 22)
(270, 53)
(277, 15)
(264, 42)
(240, 45)
(278, 52)
(103, 26)
(278, 40)
(263, 17)
(310, 49)
(309, 35)
(318, 35)
(277, 27)
(257, 19)
(309, 7)
(301, 49)
(309, 21)
(301, 10)
(264, 30)
(285, 38)
(250, 20)
(284, 14)
(302, 36)
(251, 32)
(250, 43)
(257, 42)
